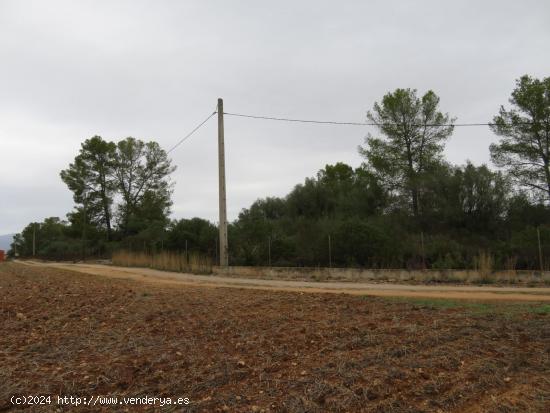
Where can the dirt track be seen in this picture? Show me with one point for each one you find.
(477, 293)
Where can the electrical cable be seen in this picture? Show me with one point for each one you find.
(191, 133)
(330, 122)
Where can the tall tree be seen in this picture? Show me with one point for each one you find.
(90, 178)
(141, 173)
(414, 134)
(524, 150)
(482, 197)
(195, 234)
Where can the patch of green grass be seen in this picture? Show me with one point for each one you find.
(474, 308)
(541, 309)
(430, 303)
(433, 303)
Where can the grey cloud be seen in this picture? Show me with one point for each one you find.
(153, 70)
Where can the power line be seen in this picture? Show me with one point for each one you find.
(331, 122)
(299, 120)
(326, 122)
(192, 132)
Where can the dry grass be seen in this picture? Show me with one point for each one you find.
(511, 263)
(166, 260)
(483, 274)
(484, 264)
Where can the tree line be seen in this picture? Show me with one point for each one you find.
(405, 206)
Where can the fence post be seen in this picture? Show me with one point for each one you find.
(541, 263)
(329, 252)
(34, 239)
(423, 250)
(269, 250)
(216, 250)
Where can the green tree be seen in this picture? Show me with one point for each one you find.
(337, 190)
(414, 134)
(90, 178)
(465, 197)
(197, 234)
(253, 228)
(524, 150)
(51, 239)
(141, 174)
(482, 197)
(16, 246)
(358, 242)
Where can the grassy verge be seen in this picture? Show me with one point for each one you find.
(475, 308)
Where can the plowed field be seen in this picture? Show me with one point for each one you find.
(243, 350)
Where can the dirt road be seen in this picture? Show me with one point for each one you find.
(477, 293)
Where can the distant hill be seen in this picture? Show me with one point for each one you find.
(5, 241)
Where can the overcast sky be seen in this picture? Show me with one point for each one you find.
(154, 69)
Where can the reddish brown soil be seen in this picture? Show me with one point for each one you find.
(242, 350)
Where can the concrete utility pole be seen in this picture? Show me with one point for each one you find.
(224, 259)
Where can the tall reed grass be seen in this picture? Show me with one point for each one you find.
(484, 264)
(166, 261)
